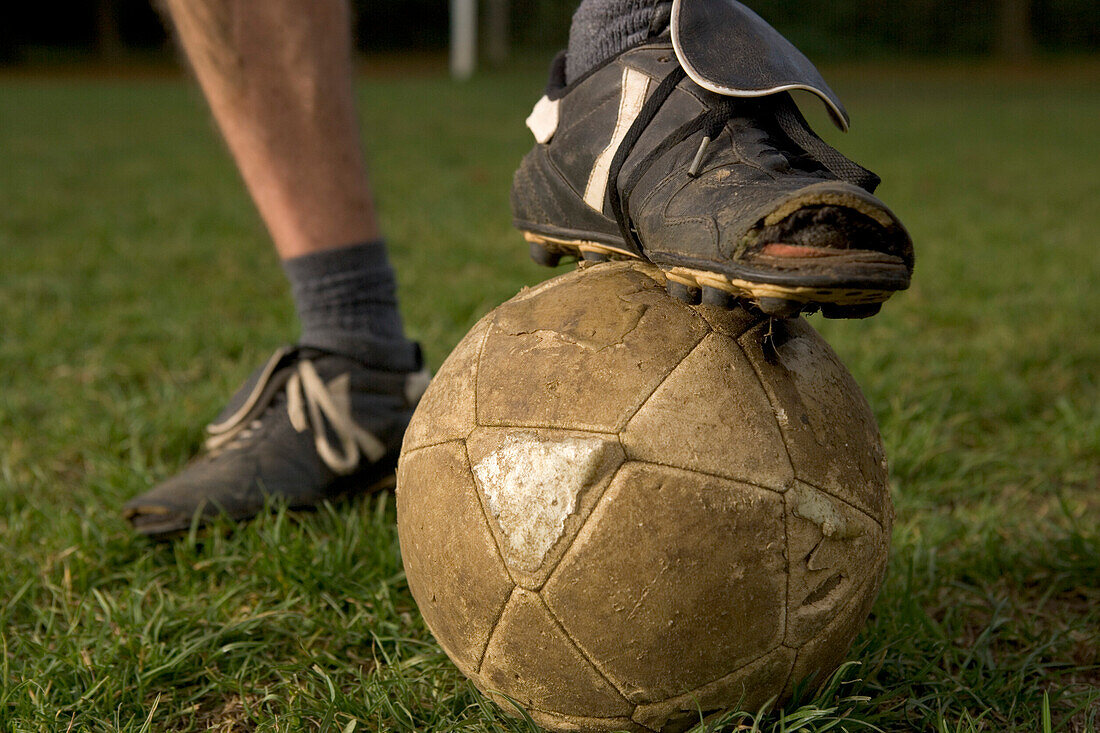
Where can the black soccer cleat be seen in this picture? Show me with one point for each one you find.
(688, 151)
(307, 426)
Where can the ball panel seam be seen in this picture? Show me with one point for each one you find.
(477, 370)
(637, 408)
(413, 451)
(770, 397)
(493, 628)
(832, 495)
(461, 462)
(488, 526)
(857, 595)
(561, 546)
(732, 414)
(580, 650)
(706, 474)
(542, 426)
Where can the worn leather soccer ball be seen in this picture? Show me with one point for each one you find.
(620, 511)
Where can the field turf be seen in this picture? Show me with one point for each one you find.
(137, 289)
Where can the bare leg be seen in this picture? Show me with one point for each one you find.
(278, 77)
(328, 415)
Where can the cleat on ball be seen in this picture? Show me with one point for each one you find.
(688, 152)
(543, 256)
(717, 297)
(780, 307)
(682, 292)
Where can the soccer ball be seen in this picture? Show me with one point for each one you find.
(620, 511)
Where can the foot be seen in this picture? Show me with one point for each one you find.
(308, 426)
(734, 197)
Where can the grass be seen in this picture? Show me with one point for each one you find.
(137, 289)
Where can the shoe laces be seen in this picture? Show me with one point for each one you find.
(314, 406)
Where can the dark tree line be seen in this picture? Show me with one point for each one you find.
(1009, 28)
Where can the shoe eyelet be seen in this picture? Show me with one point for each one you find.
(663, 59)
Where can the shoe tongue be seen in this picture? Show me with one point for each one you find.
(728, 49)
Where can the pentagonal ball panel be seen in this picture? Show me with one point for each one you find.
(583, 352)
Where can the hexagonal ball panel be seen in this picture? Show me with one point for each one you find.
(583, 352)
(454, 571)
(712, 415)
(675, 580)
(828, 427)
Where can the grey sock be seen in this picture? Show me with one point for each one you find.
(603, 28)
(347, 302)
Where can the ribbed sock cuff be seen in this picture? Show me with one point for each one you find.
(604, 28)
(346, 300)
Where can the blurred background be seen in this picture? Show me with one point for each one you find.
(121, 31)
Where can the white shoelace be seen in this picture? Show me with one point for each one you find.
(323, 409)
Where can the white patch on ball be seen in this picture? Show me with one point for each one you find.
(531, 486)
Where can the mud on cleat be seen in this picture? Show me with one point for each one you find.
(308, 426)
(689, 152)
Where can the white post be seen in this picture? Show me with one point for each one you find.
(463, 38)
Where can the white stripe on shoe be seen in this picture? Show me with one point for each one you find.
(635, 86)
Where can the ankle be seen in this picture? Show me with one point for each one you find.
(603, 28)
(346, 300)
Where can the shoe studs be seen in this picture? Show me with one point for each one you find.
(683, 293)
(780, 307)
(863, 310)
(717, 297)
(543, 256)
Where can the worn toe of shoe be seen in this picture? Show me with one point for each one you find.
(232, 486)
(154, 516)
(816, 243)
(167, 508)
(838, 217)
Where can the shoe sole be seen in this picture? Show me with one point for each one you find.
(175, 525)
(696, 285)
